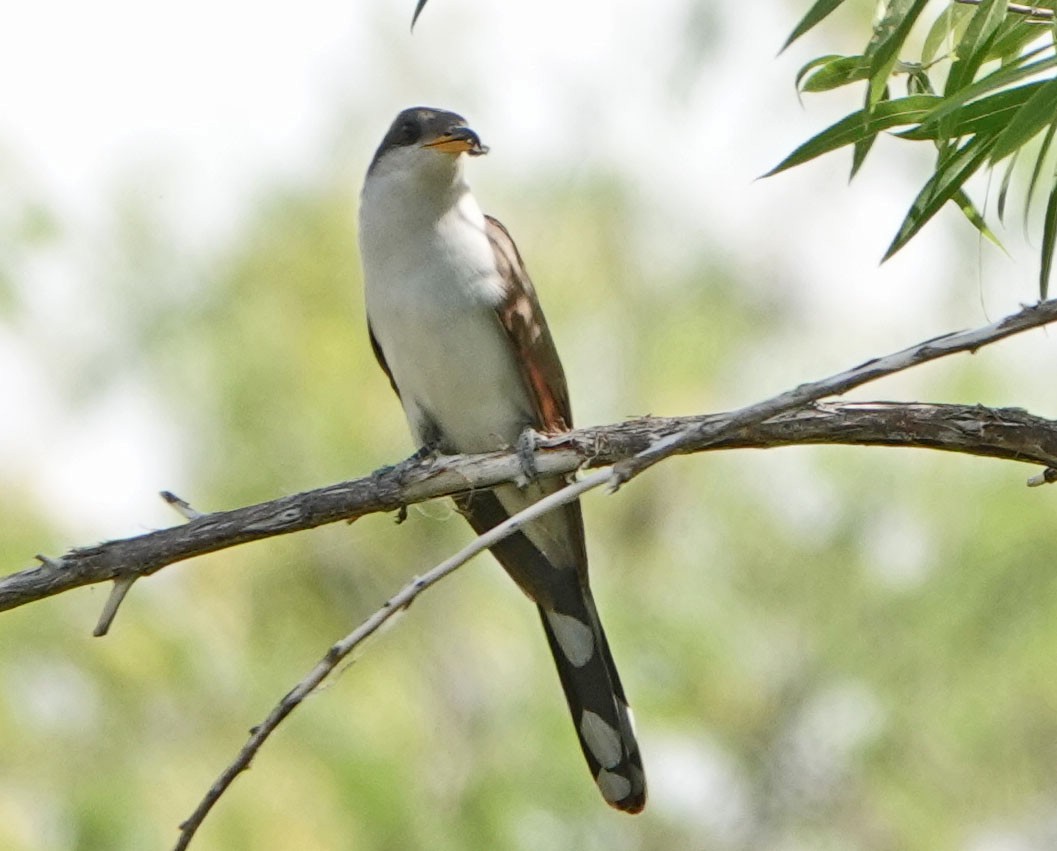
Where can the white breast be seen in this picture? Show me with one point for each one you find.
(431, 290)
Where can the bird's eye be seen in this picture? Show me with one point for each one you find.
(409, 132)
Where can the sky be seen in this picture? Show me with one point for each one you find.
(226, 96)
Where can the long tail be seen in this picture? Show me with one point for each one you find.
(596, 700)
(581, 653)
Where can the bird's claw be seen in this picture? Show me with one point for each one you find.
(527, 443)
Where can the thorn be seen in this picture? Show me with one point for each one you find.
(48, 561)
(181, 507)
(117, 594)
(401, 515)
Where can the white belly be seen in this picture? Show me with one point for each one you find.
(430, 300)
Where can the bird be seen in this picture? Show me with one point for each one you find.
(455, 323)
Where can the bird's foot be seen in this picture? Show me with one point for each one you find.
(425, 456)
(527, 443)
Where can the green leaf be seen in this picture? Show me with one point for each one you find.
(1000, 79)
(971, 56)
(949, 178)
(950, 24)
(983, 26)
(1037, 169)
(815, 14)
(975, 217)
(1003, 190)
(918, 83)
(860, 125)
(989, 115)
(1049, 237)
(419, 6)
(1014, 35)
(832, 73)
(817, 62)
(1028, 121)
(859, 152)
(889, 35)
(862, 147)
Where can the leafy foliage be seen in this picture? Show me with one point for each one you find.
(994, 63)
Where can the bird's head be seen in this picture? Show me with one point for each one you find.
(427, 142)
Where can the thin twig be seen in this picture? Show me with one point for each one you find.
(700, 436)
(340, 650)
(123, 584)
(113, 602)
(180, 506)
(1046, 477)
(1033, 12)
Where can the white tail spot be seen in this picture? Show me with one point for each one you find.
(602, 740)
(630, 716)
(614, 787)
(575, 637)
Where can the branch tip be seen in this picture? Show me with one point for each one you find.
(1046, 477)
(110, 607)
(180, 506)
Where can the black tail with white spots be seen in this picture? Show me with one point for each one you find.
(596, 699)
(581, 653)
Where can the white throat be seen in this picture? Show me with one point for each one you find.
(431, 287)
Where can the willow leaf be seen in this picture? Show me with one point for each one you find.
(992, 113)
(890, 35)
(859, 125)
(975, 217)
(1040, 160)
(1049, 236)
(949, 178)
(815, 15)
(1028, 121)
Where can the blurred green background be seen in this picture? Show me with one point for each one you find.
(824, 647)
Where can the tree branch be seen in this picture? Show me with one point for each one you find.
(1007, 433)
(793, 417)
(341, 649)
(412, 481)
(700, 436)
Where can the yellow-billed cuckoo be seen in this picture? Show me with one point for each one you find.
(456, 325)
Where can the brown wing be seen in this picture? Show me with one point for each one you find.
(555, 575)
(521, 316)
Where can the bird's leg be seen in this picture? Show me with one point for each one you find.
(426, 454)
(527, 443)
